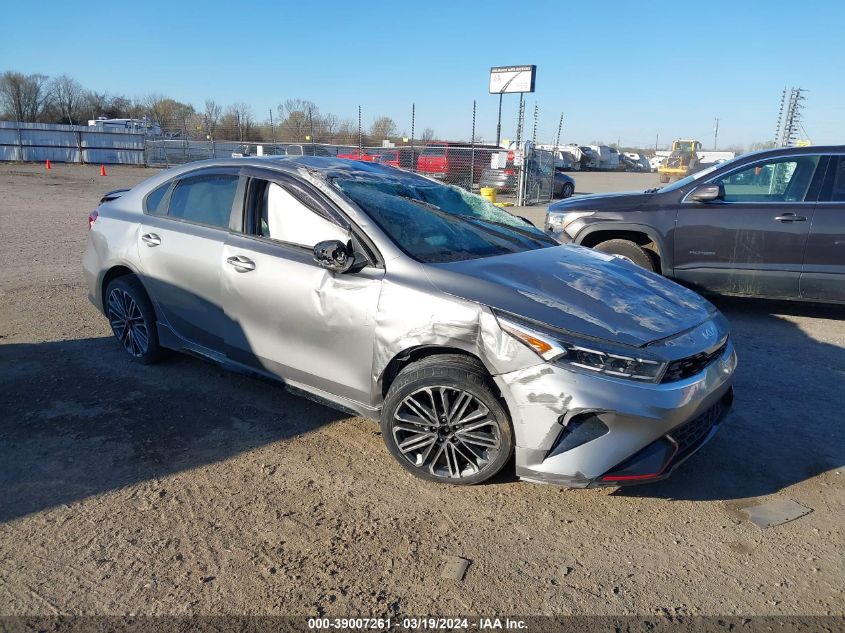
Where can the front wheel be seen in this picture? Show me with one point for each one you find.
(626, 249)
(442, 422)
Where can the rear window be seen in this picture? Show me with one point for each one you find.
(154, 204)
(434, 150)
(204, 199)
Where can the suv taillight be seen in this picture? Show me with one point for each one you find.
(92, 217)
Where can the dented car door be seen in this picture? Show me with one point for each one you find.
(289, 316)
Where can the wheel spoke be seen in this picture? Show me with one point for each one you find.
(457, 451)
(417, 441)
(420, 410)
(480, 412)
(415, 420)
(487, 441)
(460, 405)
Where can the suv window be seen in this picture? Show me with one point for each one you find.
(284, 217)
(838, 193)
(204, 199)
(777, 180)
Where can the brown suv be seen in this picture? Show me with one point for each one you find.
(766, 224)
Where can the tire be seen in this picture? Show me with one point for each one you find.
(567, 190)
(629, 250)
(132, 319)
(430, 440)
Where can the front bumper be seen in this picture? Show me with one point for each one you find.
(629, 432)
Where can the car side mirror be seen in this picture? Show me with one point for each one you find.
(334, 255)
(707, 193)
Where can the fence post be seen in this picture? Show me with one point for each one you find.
(472, 151)
(20, 142)
(78, 136)
(413, 120)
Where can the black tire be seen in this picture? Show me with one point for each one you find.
(567, 190)
(128, 307)
(460, 378)
(629, 250)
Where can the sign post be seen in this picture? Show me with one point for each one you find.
(510, 79)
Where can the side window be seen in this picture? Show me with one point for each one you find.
(155, 204)
(284, 217)
(204, 199)
(838, 193)
(778, 180)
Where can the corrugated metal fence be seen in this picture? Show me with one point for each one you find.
(69, 143)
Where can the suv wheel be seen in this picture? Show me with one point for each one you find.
(628, 250)
(132, 319)
(442, 422)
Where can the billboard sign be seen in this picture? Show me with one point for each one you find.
(504, 79)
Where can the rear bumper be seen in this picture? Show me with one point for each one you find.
(580, 430)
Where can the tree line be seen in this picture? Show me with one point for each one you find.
(37, 98)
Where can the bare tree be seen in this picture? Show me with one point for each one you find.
(169, 114)
(330, 124)
(239, 122)
(383, 128)
(211, 116)
(294, 116)
(23, 97)
(427, 135)
(68, 96)
(347, 132)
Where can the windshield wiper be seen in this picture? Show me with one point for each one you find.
(653, 190)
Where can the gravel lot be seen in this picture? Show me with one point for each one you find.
(183, 489)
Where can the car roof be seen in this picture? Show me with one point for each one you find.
(323, 167)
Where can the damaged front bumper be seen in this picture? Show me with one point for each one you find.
(580, 430)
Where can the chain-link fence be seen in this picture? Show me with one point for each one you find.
(509, 175)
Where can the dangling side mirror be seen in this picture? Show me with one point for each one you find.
(334, 255)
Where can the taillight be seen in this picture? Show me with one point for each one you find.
(509, 172)
(92, 217)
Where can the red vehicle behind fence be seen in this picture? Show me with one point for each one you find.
(354, 154)
(455, 163)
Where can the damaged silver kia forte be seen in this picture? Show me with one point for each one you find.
(470, 334)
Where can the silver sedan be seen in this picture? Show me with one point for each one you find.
(467, 332)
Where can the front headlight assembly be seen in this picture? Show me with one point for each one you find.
(587, 357)
(558, 221)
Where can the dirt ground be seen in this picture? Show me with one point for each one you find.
(183, 489)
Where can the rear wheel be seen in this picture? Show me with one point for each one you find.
(442, 422)
(628, 250)
(132, 319)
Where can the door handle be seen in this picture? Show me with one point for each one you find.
(242, 264)
(151, 239)
(790, 217)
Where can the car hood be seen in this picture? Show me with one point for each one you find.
(625, 200)
(579, 290)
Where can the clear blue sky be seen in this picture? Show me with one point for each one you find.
(627, 70)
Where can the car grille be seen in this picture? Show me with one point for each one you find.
(692, 365)
(690, 435)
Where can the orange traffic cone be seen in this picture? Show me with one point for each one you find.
(48, 165)
(102, 170)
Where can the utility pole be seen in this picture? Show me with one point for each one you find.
(716, 136)
(656, 139)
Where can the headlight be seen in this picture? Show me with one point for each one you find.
(558, 221)
(581, 356)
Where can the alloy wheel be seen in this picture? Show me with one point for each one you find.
(446, 432)
(127, 322)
